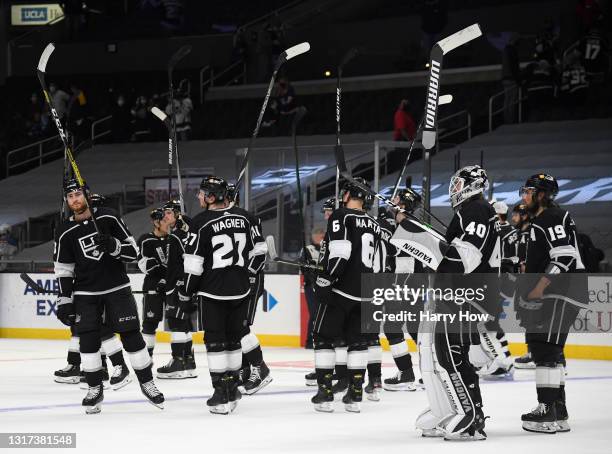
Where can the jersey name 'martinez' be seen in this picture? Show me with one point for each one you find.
(367, 223)
(231, 223)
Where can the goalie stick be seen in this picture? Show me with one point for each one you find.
(440, 49)
(39, 289)
(275, 258)
(288, 54)
(41, 68)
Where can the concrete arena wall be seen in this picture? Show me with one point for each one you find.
(280, 321)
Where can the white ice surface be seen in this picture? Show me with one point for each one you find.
(280, 418)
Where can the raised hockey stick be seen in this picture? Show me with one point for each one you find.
(42, 66)
(161, 115)
(275, 258)
(444, 99)
(172, 142)
(299, 114)
(288, 54)
(351, 54)
(39, 289)
(438, 51)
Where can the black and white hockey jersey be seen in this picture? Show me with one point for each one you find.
(353, 237)
(509, 237)
(152, 259)
(177, 240)
(228, 246)
(474, 245)
(553, 246)
(80, 267)
(385, 254)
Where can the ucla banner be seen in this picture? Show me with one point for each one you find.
(35, 14)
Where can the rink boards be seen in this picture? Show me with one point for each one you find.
(280, 321)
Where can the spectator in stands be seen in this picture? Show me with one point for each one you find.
(274, 29)
(511, 77)
(404, 127)
(183, 106)
(140, 119)
(36, 118)
(287, 105)
(588, 12)
(121, 121)
(61, 100)
(539, 77)
(77, 115)
(574, 83)
(8, 245)
(595, 50)
(546, 43)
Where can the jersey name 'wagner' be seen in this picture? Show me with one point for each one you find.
(222, 249)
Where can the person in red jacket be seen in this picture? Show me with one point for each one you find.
(404, 127)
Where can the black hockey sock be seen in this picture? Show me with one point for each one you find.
(93, 378)
(341, 371)
(144, 375)
(74, 358)
(104, 365)
(134, 345)
(374, 370)
(117, 359)
(245, 362)
(188, 346)
(178, 349)
(254, 357)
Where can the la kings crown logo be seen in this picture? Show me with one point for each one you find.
(89, 248)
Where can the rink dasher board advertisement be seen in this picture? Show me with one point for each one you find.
(25, 313)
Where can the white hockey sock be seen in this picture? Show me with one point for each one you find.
(357, 359)
(341, 356)
(374, 354)
(140, 359)
(111, 346)
(249, 343)
(325, 359)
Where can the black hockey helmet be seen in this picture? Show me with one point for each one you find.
(214, 186)
(329, 204)
(520, 208)
(466, 183)
(356, 192)
(97, 200)
(157, 214)
(72, 185)
(541, 182)
(409, 199)
(173, 205)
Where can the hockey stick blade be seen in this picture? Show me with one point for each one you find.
(296, 50)
(460, 38)
(161, 115)
(179, 55)
(44, 58)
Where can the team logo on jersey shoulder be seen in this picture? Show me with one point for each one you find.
(89, 248)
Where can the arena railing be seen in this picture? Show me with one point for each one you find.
(519, 101)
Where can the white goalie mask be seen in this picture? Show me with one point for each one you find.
(465, 183)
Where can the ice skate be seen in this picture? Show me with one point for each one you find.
(324, 399)
(93, 400)
(259, 378)
(524, 362)
(311, 379)
(354, 394)
(403, 380)
(175, 369)
(218, 403)
(542, 419)
(153, 394)
(190, 366)
(373, 389)
(120, 378)
(562, 417)
(70, 374)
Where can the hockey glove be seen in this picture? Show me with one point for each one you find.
(65, 310)
(160, 288)
(323, 289)
(187, 304)
(107, 243)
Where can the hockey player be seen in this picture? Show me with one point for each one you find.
(254, 373)
(404, 379)
(89, 265)
(450, 379)
(225, 247)
(182, 364)
(152, 261)
(552, 251)
(520, 219)
(353, 238)
(111, 347)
